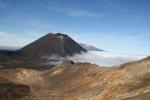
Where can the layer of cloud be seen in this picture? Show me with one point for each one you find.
(78, 13)
(117, 42)
(106, 59)
(7, 39)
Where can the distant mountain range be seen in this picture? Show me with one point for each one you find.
(90, 47)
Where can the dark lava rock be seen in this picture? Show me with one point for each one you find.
(68, 62)
(9, 91)
(59, 44)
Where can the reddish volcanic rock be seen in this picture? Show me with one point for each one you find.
(37, 52)
(49, 44)
(12, 91)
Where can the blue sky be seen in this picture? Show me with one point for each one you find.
(114, 25)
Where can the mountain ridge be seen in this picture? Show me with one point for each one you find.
(51, 43)
(33, 53)
(90, 47)
(80, 81)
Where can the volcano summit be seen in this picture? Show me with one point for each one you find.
(48, 45)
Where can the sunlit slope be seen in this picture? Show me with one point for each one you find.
(81, 81)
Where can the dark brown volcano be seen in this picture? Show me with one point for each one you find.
(33, 54)
(49, 44)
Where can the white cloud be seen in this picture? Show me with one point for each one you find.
(100, 58)
(80, 13)
(104, 58)
(7, 39)
(68, 11)
(76, 12)
(117, 42)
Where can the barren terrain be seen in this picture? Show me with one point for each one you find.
(78, 81)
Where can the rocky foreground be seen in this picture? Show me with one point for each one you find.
(78, 81)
